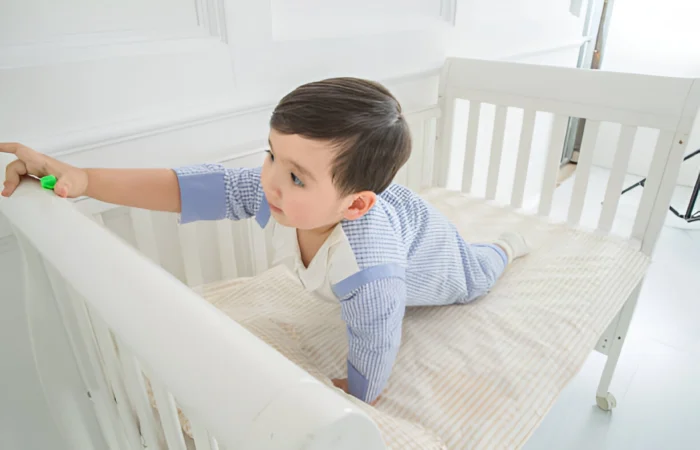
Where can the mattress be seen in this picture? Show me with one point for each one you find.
(475, 376)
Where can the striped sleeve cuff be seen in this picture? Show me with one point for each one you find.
(202, 193)
(357, 383)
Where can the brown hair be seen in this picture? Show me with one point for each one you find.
(361, 118)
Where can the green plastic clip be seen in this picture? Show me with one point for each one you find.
(48, 182)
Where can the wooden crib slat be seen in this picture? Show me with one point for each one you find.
(414, 172)
(136, 390)
(428, 153)
(523, 162)
(145, 235)
(583, 171)
(654, 177)
(190, 254)
(258, 247)
(556, 146)
(470, 147)
(444, 151)
(114, 376)
(499, 128)
(402, 176)
(617, 178)
(202, 438)
(67, 314)
(227, 249)
(105, 409)
(167, 409)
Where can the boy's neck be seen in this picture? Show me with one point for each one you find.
(320, 234)
(310, 241)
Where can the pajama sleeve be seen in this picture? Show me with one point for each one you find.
(212, 192)
(373, 314)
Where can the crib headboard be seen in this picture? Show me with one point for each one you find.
(524, 96)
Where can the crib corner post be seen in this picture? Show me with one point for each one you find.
(604, 399)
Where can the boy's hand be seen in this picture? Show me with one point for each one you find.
(342, 384)
(72, 181)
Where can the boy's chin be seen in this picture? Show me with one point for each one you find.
(278, 216)
(283, 220)
(286, 222)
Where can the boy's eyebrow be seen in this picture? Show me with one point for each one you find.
(302, 171)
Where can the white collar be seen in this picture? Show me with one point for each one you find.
(286, 245)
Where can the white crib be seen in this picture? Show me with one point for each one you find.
(130, 312)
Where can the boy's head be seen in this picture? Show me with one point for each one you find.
(334, 145)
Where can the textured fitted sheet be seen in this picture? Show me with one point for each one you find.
(477, 376)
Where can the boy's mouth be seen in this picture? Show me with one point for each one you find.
(274, 209)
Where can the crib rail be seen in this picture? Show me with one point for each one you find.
(524, 96)
(132, 323)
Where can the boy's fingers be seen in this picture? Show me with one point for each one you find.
(13, 174)
(35, 162)
(62, 188)
(9, 147)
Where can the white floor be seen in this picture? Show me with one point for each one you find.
(657, 379)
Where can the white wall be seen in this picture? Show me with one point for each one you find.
(498, 29)
(658, 38)
(164, 83)
(153, 63)
(536, 32)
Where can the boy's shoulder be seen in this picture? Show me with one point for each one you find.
(376, 237)
(370, 249)
(377, 245)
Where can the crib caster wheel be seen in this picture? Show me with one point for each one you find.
(606, 403)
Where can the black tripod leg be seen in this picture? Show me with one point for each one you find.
(693, 199)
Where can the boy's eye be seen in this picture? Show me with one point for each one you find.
(297, 181)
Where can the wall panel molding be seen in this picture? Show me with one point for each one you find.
(294, 20)
(89, 140)
(198, 24)
(92, 139)
(94, 47)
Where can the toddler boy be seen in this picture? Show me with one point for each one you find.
(338, 222)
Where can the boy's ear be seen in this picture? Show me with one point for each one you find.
(362, 202)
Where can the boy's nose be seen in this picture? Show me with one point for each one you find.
(275, 189)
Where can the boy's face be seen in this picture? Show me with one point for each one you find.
(296, 179)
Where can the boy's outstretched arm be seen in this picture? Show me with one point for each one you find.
(374, 315)
(204, 192)
(155, 189)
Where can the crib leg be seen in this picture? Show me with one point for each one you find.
(604, 399)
